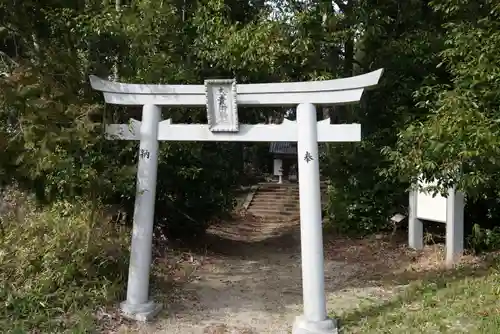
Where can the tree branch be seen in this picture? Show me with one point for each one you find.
(341, 5)
(354, 60)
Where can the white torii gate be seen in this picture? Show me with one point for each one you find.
(222, 98)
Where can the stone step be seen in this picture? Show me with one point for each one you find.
(275, 209)
(285, 193)
(270, 206)
(277, 195)
(285, 185)
(277, 218)
(279, 201)
(270, 193)
(289, 192)
(275, 199)
(285, 215)
(278, 192)
(264, 198)
(282, 193)
(284, 189)
(276, 205)
(269, 214)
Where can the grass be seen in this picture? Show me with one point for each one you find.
(463, 300)
(59, 265)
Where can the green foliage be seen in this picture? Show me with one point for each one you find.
(198, 185)
(457, 140)
(453, 135)
(483, 239)
(359, 202)
(59, 265)
(402, 39)
(49, 136)
(52, 131)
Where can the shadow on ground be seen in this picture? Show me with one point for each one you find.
(247, 272)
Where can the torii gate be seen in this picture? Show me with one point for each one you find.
(222, 98)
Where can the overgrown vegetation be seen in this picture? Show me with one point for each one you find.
(59, 264)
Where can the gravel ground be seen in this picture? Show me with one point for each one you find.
(249, 281)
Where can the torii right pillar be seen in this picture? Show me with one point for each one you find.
(315, 318)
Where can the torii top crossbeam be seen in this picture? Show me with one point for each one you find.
(328, 92)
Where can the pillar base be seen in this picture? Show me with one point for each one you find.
(140, 312)
(303, 326)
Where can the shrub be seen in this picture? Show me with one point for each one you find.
(484, 239)
(58, 264)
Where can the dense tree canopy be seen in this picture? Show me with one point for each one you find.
(435, 114)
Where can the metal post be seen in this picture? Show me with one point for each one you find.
(415, 225)
(454, 226)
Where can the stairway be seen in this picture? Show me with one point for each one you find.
(273, 201)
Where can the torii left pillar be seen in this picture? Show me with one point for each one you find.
(138, 305)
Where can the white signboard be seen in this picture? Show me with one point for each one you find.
(431, 207)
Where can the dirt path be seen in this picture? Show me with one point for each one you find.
(250, 280)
